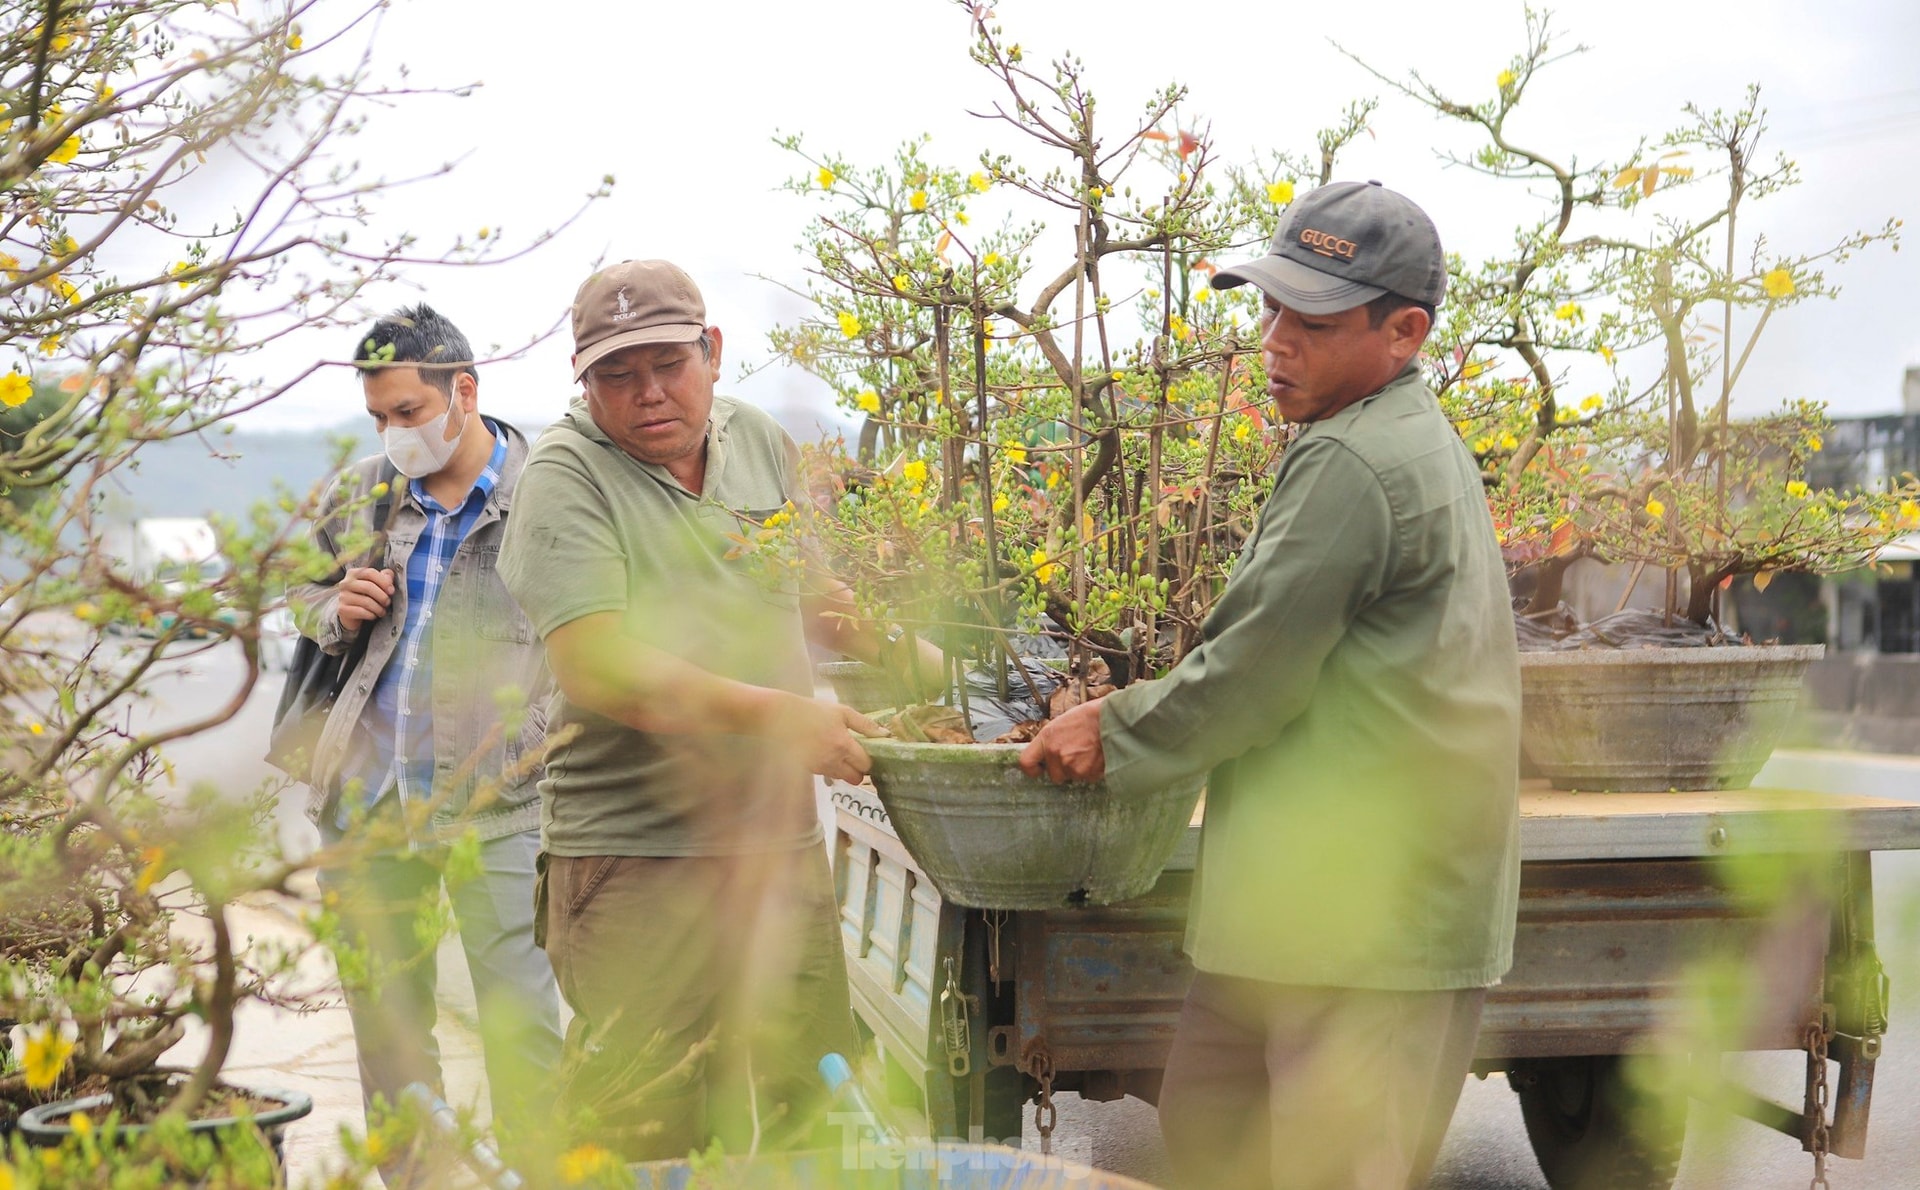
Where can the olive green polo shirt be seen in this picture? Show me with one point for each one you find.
(1356, 697)
(596, 530)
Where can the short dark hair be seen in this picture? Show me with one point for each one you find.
(1387, 304)
(422, 336)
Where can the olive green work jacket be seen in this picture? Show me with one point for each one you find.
(1356, 699)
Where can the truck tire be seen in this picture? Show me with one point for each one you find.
(1591, 1131)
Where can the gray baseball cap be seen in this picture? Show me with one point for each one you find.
(1344, 245)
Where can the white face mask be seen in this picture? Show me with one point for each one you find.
(419, 451)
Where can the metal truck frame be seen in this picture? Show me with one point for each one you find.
(978, 1013)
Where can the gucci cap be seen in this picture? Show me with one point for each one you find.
(633, 303)
(1342, 246)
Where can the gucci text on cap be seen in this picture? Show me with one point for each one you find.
(1344, 245)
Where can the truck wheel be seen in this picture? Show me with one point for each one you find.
(1592, 1130)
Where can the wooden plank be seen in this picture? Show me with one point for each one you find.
(1559, 825)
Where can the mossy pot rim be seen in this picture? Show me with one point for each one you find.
(38, 1124)
(1670, 655)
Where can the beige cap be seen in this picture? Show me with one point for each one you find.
(631, 303)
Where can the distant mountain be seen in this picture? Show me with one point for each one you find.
(227, 474)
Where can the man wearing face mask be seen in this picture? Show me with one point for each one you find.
(440, 728)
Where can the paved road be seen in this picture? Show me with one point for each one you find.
(1486, 1148)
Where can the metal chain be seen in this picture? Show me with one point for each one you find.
(996, 918)
(1045, 1115)
(956, 1027)
(1818, 1097)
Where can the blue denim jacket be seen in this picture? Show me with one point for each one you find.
(486, 659)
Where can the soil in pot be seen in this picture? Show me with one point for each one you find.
(140, 1101)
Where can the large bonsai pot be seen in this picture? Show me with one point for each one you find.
(1658, 718)
(991, 837)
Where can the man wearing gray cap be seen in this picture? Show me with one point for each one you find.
(686, 901)
(1356, 701)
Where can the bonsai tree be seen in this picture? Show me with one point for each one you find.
(132, 311)
(1064, 428)
(1592, 367)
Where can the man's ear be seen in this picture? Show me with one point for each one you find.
(714, 337)
(1407, 329)
(466, 390)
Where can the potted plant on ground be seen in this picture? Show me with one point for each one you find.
(1640, 284)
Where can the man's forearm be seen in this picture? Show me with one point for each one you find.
(608, 672)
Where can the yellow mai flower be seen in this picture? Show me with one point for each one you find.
(914, 472)
(1797, 489)
(1473, 368)
(295, 41)
(1016, 454)
(1655, 509)
(1243, 431)
(585, 1163)
(68, 150)
(901, 281)
(45, 1057)
(156, 858)
(50, 345)
(1043, 570)
(1179, 327)
(85, 612)
(64, 246)
(868, 401)
(1506, 79)
(1000, 503)
(1606, 352)
(1509, 442)
(36, 729)
(990, 259)
(1909, 513)
(1591, 402)
(1482, 445)
(980, 182)
(986, 327)
(1778, 283)
(1280, 193)
(15, 390)
(849, 325)
(1053, 479)
(825, 178)
(1568, 312)
(81, 1123)
(918, 200)
(1814, 443)
(960, 217)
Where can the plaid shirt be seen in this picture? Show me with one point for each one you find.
(397, 725)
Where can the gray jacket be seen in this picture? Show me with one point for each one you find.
(486, 658)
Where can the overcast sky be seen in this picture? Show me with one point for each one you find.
(679, 102)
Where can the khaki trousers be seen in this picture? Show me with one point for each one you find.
(1276, 1087)
(705, 991)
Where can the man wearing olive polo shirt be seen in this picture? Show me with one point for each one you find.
(1356, 701)
(688, 909)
